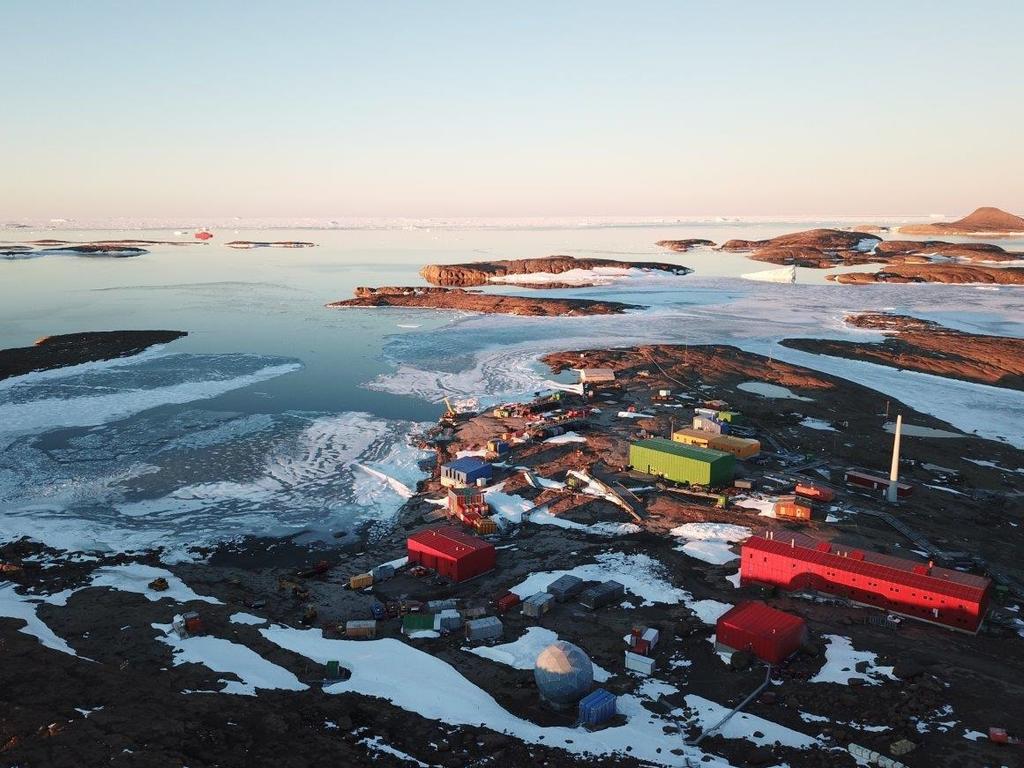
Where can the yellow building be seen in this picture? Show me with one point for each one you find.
(696, 437)
(740, 447)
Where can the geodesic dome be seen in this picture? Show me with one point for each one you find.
(564, 674)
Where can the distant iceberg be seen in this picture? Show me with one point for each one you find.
(784, 275)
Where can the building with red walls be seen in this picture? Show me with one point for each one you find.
(796, 562)
(769, 634)
(452, 553)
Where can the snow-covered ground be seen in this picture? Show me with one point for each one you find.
(773, 391)
(523, 652)
(841, 661)
(409, 678)
(254, 672)
(17, 606)
(710, 542)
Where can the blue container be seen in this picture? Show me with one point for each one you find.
(597, 707)
(378, 611)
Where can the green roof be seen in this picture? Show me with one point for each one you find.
(681, 449)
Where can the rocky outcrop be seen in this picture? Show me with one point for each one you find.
(986, 220)
(814, 248)
(75, 348)
(110, 249)
(476, 301)
(935, 273)
(925, 251)
(682, 246)
(269, 244)
(481, 272)
(921, 345)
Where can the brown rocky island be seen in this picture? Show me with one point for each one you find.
(984, 221)
(477, 301)
(921, 345)
(76, 348)
(484, 272)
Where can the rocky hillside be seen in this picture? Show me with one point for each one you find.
(986, 220)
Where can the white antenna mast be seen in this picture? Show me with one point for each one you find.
(894, 472)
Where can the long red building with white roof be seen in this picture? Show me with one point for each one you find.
(796, 562)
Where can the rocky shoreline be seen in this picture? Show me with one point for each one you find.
(951, 274)
(75, 348)
(137, 696)
(484, 272)
(927, 347)
(476, 301)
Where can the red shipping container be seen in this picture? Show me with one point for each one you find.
(452, 553)
(796, 562)
(771, 635)
(506, 603)
(816, 492)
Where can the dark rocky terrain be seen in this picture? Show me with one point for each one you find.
(814, 248)
(921, 345)
(75, 348)
(475, 301)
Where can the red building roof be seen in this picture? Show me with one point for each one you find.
(963, 586)
(757, 618)
(449, 541)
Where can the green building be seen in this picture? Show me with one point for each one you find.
(733, 417)
(681, 463)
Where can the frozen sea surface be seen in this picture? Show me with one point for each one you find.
(278, 416)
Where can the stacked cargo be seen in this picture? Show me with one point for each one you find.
(793, 508)
(487, 628)
(565, 587)
(681, 463)
(597, 707)
(602, 594)
(537, 605)
(644, 640)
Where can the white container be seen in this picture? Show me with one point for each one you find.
(640, 664)
(651, 635)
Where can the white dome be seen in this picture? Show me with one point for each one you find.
(564, 673)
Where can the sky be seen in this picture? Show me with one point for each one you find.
(572, 108)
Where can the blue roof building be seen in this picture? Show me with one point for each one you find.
(466, 471)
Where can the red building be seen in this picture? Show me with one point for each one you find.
(875, 482)
(452, 553)
(793, 562)
(771, 635)
(793, 508)
(203, 235)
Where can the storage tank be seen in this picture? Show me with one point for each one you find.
(564, 674)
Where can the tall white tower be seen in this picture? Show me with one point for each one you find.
(891, 494)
